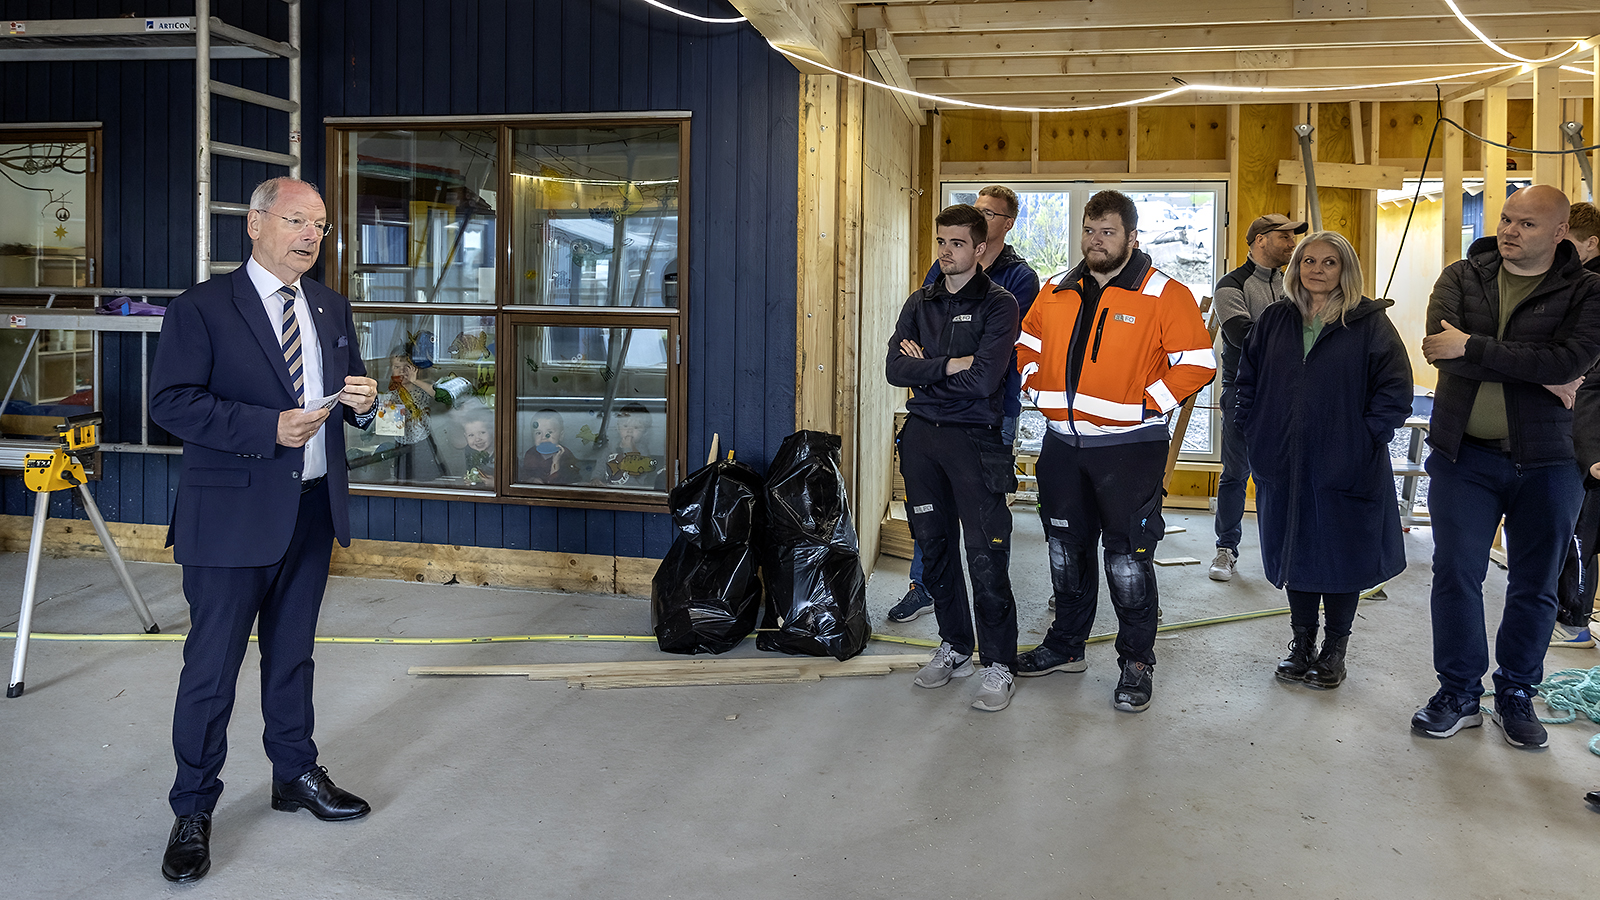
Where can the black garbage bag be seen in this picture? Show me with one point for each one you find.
(816, 594)
(707, 592)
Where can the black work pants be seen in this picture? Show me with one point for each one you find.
(1110, 495)
(956, 484)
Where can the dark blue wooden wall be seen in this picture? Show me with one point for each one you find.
(458, 57)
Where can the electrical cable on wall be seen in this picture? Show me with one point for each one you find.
(1440, 121)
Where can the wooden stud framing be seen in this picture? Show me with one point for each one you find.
(1494, 158)
(1547, 124)
(1454, 146)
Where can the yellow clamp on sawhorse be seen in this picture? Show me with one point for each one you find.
(63, 468)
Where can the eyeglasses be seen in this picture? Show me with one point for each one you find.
(299, 224)
(991, 214)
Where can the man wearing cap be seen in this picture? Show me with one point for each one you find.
(1239, 300)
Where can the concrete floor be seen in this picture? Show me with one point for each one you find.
(1230, 785)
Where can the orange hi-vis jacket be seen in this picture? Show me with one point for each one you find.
(1147, 351)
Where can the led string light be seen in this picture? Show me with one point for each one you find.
(1182, 88)
(688, 15)
(1460, 16)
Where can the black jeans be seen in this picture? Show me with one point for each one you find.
(1110, 495)
(954, 490)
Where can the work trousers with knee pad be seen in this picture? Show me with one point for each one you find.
(957, 478)
(1109, 495)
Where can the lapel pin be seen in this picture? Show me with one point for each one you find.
(319, 309)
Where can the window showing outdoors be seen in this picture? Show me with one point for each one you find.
(421, 216)
(435, 423)
(591, 407)
(596, 216)
(44, 198)
(582, 315)
(1179, 226)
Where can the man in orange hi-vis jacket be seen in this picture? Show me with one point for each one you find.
(1109, 348)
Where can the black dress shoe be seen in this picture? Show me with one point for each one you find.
(1593, 797)
(316, 792)
(188, 856)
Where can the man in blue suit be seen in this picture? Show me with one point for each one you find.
(242, 363)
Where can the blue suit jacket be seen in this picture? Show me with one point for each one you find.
(218, 383)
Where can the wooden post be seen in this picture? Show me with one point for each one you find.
(1454, 147)
(816, 237)
(1494, 158)
(1133, 140)
(1235, 227)
(1547, 125)
(1366, 151)
(847, 315)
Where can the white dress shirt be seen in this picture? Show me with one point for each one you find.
(267, 285)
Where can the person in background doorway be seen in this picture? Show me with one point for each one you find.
(952, 345)
(1110, 347)
(1005, 267)
(1241, 297)
(1518, 314)
(1324, 381)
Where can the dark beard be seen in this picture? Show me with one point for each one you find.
(1114, 264)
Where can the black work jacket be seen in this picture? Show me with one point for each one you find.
(1552, 337)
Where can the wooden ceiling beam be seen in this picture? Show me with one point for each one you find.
(1569, 90)
(1416, 34)
(1035, 15)
(1096, 15)
(1463, 57)
(1153, 82)
(811, 28)
(880, 49)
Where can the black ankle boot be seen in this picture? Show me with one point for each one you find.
(1328, 671)
(1302, 653)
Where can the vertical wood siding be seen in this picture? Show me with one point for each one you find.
(457, 57)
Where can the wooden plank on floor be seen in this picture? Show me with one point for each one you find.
(866, 665)
(704, 679)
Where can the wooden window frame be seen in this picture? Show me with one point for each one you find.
(509, 315)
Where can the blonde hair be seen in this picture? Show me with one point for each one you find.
(1345, 296)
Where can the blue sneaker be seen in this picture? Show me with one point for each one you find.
(1567, 636)
(916, 602)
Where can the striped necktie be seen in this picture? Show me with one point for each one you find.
(291, 344)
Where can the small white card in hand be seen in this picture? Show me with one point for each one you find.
(322, 402)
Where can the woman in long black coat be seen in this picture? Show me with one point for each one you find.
(1323, 384)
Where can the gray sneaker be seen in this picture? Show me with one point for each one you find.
(1224, 566)
(945, 665)
(994, 694)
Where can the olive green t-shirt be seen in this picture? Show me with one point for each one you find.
(1488, 418)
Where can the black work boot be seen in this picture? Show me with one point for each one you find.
(1302, 654)
(1328, 671)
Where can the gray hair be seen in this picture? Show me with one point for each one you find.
(266, 193)
(1345, 296)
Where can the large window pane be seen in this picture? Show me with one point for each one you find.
(595, 216)
(435, 424)
(422, 216)
(592, 407)
(45, 195)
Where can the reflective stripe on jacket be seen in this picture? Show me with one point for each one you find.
(1148, 351)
